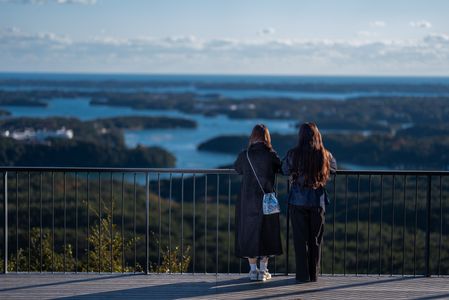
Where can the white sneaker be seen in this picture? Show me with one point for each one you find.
(264, 275)
(254, 275)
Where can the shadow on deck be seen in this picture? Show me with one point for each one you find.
(83, 286)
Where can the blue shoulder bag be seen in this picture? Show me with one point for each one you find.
(270, 204)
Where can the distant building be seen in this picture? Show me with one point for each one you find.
(40, 135)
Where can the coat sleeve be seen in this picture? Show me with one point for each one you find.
(238, 164)
(276, 162)
(286, 164)
(333, 163)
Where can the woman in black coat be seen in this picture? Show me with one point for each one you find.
(257, 235)
(309, 165)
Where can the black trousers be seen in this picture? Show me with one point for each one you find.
(308, 229)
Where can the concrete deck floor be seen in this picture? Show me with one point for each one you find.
(118, 286)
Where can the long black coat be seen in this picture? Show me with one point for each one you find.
(256, 234)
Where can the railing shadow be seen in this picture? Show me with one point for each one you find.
(100, 277)
(220, 288)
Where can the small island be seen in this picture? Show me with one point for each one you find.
(143, 122)
(4, 113)
(17, 98)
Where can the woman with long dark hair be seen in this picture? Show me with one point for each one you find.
(257, 236)
(309, 165)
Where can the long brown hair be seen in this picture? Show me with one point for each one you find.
(311, 160)
(260, 133)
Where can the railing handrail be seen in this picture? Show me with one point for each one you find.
(207, 170)
(118, 170)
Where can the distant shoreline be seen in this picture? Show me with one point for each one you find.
(201, 75)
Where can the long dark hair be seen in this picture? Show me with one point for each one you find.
(311, 160)
(260, 133)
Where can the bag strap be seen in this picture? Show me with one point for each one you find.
(247, 156)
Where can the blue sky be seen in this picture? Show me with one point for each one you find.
(333, 37)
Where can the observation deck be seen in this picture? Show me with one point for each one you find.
(169, 234)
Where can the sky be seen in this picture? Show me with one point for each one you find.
(261, 37)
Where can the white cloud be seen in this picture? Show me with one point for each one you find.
(41, 2)
(23, 51)
(367, 34)
(12, 29)
(377, 24)
(437, 39)
(267, 31)
(421, 24)
(14, 35)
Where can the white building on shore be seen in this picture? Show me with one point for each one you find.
(30, 134)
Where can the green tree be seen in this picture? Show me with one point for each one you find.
(104, 238)
(35, 260)
(173, 261)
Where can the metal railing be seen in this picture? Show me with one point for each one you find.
(177, 220)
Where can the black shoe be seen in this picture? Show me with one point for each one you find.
(299, 281)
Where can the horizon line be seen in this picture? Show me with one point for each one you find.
(224, 74)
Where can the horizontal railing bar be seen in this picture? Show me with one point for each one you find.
(108, 170)
(393, 172)
(209, 171)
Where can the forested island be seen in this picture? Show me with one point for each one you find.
(139, 122)
(81, 154)
(21, 99)
(4, 113)
(70, 142)
(87, 127)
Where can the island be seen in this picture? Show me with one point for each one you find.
(14, 98)
(4, 113)
(143, 122)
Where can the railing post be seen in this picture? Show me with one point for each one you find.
(5, 209)
(147, 222)
(287, 238)
(428, 210)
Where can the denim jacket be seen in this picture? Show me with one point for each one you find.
(305, 196)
